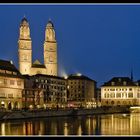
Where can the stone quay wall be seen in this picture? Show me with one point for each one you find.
(9, 115)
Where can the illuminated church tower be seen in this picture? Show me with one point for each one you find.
(25, 51)
(50, 50)
(24, 48)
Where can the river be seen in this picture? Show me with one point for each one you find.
(102, 125)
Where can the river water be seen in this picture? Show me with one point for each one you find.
(107, 125)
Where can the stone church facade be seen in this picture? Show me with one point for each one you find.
(26, 67)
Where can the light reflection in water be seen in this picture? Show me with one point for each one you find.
(113, 124)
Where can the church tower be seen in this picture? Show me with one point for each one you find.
(50, 50)
(24, 48)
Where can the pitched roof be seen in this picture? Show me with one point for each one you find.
(119, 81)
(37, 64)
(9, 66)
(43, 76)
(79, 76)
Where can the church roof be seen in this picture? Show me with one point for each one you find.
(50, 24)
(24, 22)
(37, 64)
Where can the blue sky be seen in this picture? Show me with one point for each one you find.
(99, 41)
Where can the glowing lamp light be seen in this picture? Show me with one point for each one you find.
(65, 77)
(79, 74)
(2, 102)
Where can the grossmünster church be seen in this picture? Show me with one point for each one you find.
(26, 67)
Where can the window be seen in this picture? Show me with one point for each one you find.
(130, 95)
(8, 72)
(1, 81)
(19, 83)
(124, 83)
(130, 89)
(2, 95)
(112, 89)
(14, 73)
(107, 95)
(12, 82)
(119, 79)
(2, 71)
(118, 95)
(10, 95)
(112, 95)
(112, 83)
(138, 95)
(25, 57)
(5, 81)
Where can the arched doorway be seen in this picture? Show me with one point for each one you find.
(9, 105)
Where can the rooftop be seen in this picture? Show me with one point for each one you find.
(119, 81)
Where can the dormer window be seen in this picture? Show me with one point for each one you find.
(124, 83)
(112, 83)
(119, 79)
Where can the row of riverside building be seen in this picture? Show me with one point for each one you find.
(37, 85)
(44, 91)
(50, 92)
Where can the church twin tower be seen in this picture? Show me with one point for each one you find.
(25, 51)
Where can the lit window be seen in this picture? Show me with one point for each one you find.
(130, 95)
(118, 95)
(124, 83)
(1, 81)
(112, 83)
(14, 73)
(8, 72)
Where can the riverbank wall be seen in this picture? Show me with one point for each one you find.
(11, 115)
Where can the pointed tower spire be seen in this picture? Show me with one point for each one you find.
(132, 74)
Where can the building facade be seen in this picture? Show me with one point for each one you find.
(50, 91)
(32, 96)
(119, 91)
(11, 86)
(25, 51)
(81, 91)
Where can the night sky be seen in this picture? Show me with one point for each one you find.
(99, 41)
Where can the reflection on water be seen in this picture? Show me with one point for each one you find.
(113, 124)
